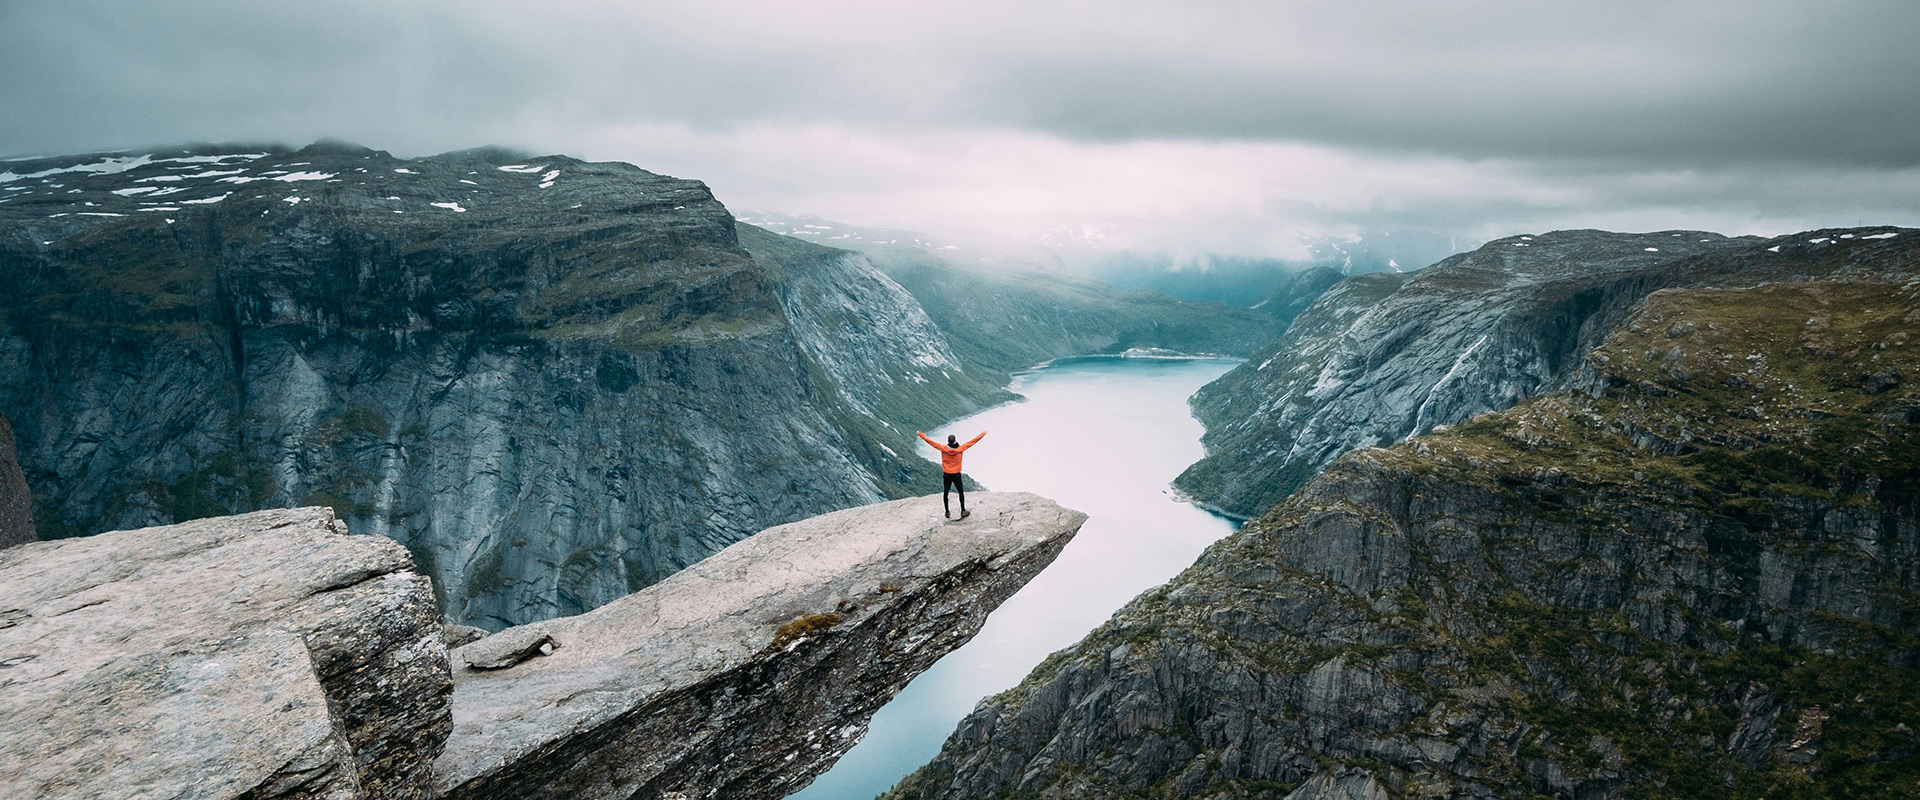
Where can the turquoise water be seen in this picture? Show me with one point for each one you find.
(1102, 435)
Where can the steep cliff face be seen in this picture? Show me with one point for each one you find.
(16, 505)
(882, 352)
(1477, 332)
(554, 381)
(1694, 578)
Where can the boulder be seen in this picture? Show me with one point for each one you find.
(266, 655)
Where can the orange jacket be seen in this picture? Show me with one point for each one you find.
(950, 456)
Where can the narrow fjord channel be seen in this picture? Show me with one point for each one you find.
(1102, 435)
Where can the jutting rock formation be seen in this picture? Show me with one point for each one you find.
(270, 655)
(749, 673)
(1693, 576)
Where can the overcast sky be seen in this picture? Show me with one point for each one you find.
(1233, 127)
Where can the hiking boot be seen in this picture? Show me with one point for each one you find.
(965, 513)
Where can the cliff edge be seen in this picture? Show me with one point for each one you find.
(16, 505)
(271, 655)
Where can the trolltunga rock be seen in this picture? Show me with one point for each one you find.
(749, 673)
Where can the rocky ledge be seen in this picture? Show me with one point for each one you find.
(265, 655)
(750, 673)
(270, 655)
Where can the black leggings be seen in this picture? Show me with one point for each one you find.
(950, 481)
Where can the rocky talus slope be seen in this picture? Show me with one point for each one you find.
(16, 505)
(1695, 576)
(270, 655)
(1376, 363)
(554, 381)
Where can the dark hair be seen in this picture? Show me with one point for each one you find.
(952, 440)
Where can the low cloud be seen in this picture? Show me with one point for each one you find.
(1234, 127)
(1237, 197)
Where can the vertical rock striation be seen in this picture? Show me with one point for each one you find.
(16, 505)
(554, 381)
(873, 343)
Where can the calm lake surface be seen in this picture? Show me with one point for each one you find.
(1102, 435)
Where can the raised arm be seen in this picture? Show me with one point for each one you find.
(972, 441)
(936, 445)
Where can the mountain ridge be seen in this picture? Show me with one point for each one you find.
(1476, 332)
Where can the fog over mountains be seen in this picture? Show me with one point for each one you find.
(1231, 280)
(1232, 128)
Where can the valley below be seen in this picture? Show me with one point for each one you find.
(530, 476)
(1691, 572)
(1103, 435)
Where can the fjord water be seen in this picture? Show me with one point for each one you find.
(1102, 435)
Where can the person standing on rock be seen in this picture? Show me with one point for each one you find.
(950, 469)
